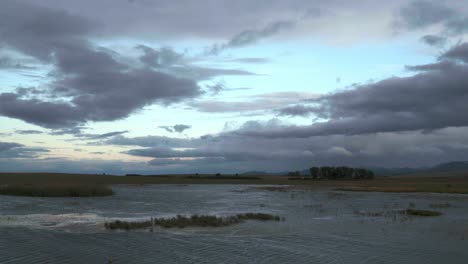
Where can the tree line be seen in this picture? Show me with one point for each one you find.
(336, 173)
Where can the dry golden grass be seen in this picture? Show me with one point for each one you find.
(56, 190)
(438, 183)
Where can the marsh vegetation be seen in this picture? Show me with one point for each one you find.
(56, 190)
(190, 221)
(394, 213)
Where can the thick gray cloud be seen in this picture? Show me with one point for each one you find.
(432, 99)
(419, 14)
(76, 131)
(97, 85)
(410, 121)
(424, 13)
(4, 146)
(15, 150)
(204, 18)
(233, 153)
(297, 110)
(39, 112)
(459, 52)
(163, 57)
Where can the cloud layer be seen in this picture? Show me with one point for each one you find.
(92, 83)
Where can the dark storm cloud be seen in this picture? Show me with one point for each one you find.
(15, 150)
(100, 88)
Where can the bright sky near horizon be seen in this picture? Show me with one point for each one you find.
(161, 86)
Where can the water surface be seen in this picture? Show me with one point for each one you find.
(320, 227)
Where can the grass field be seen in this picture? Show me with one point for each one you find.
(56, 190)
(438, 183)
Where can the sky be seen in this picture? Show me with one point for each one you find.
(205, 86)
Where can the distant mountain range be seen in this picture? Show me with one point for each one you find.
(455, 166)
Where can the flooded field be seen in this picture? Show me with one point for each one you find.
(320, 227)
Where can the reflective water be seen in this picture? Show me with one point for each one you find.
(320, 227)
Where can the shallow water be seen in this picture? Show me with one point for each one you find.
(320, 227)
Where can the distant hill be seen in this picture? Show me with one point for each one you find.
(456, 166)
(396, 171)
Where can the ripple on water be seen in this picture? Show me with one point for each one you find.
(329, 234)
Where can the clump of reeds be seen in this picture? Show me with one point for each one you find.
(417, 212)
(258, 216)
(124, 225)
(56, 190)
(393, 213)
(180, 221)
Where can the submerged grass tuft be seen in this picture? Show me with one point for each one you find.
(56, 190)
(190, 221)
